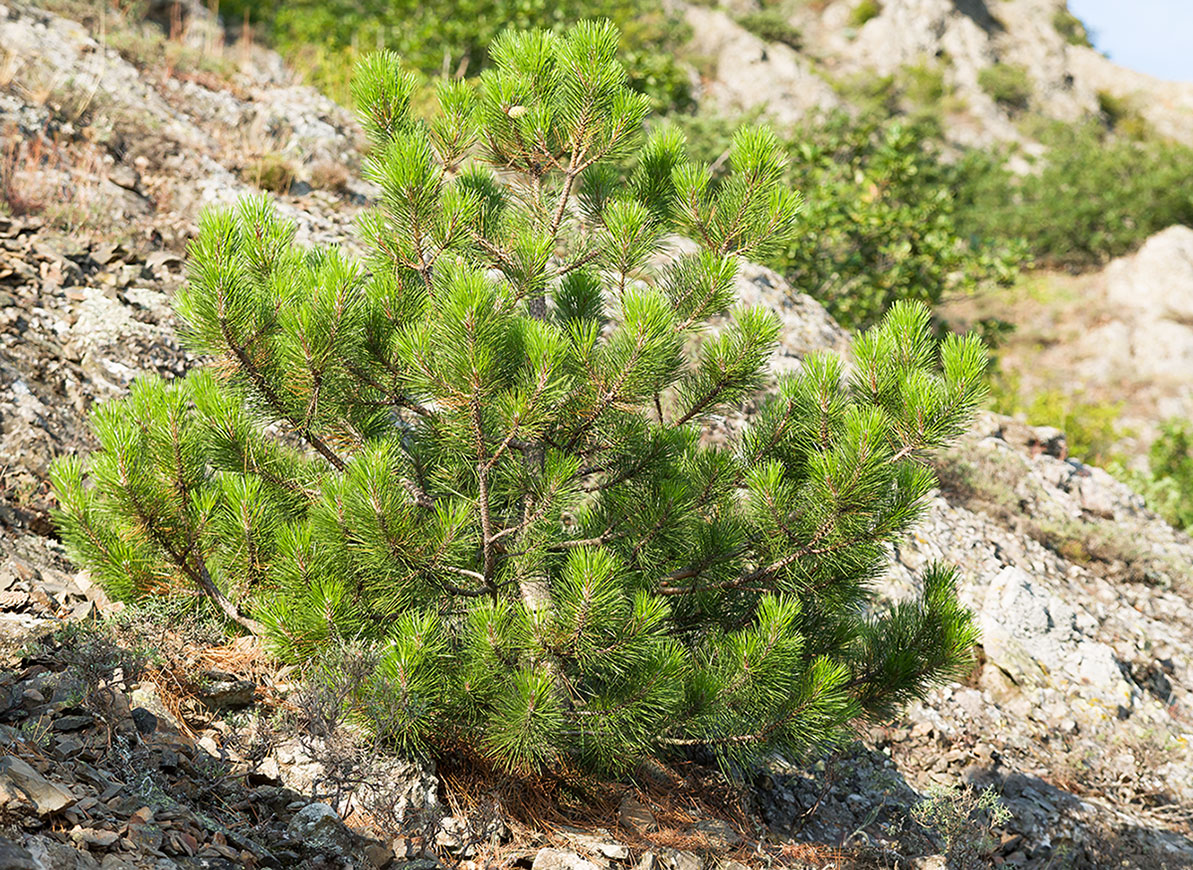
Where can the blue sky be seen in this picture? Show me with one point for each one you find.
(1152, 36)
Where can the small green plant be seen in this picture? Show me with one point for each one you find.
(1123, 116)
(772, 25)
(271, 172)
(479, 452)
(923, 84)
(1070, 27)
(965, 819)
(1007, 84)
(863, 12)
(1092, 429)
(1169, 485)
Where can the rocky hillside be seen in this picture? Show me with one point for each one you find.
(1080, 713)
(847, 45)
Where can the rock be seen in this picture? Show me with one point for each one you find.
(1035, 637)
(13, 857)
(673, 859)
(51, 855)
(720, 834)
(21, 784)
(598, 842)
(751, 74)
(145, 721)
(1148, 338)
(224, 691)
(557, 859)
(94, 837)
(320, 827)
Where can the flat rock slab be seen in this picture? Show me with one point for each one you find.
(21, 784)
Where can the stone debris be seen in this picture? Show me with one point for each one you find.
(92, 787)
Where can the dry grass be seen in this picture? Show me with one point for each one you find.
(548, 809)
(57, 179)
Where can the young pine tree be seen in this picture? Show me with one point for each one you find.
(480, 449)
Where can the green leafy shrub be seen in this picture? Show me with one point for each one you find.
(863, 12)
(480, 450)
(1007, 84)
(923, 84)
(772, 25)
(1169, 486)
(1123, 116)
(1093, 197)
(1070, 27)
(879, 223)
(325, 38)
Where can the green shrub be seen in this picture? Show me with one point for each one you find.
(1122, 116)
(1093, 197)
(1070, 27)
(772, 25)
(923, 84)
(878, 226)
(863, 12)
(271, 172)
(480, 453)
(1169, 486)
(325, 38)
(1007, 84)
(966, 819)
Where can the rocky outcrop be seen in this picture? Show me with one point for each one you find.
(751, 74)
(1122, 336)
(1149, 339)
(958, 38)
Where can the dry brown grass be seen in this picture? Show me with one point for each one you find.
(547, 809)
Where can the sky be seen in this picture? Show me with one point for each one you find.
(1151, 36)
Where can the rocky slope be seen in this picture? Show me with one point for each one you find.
(1080, 714)
(955, 39)
(1120, 337)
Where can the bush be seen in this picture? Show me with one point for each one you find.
(1093, 197)
(863, 12)
(1169, 488)
(879, 223)
(480, 451)
(772, 25)
(325, 38)
(1091, 428)
(966, 820)
(1007, 84)
(923, 84)
(1070, 27)
(271, 172)
(1123, 116)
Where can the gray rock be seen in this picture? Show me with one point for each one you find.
(13, 857)
(557, 859)
(320, 827)
(224, 691)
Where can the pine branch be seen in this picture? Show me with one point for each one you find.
(275, 402)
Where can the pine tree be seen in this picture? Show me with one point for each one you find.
(480, 450)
